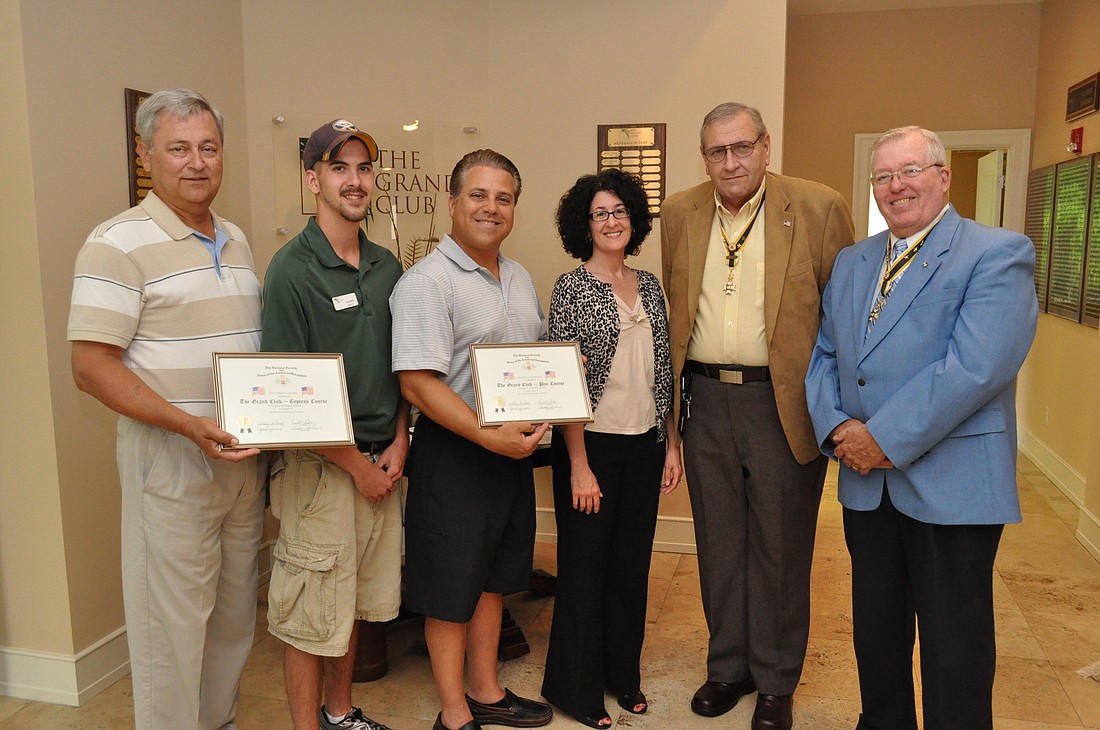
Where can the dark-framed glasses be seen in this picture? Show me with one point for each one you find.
(602, 215)
(884, 178)
(739, 149)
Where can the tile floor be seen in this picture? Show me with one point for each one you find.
(1047, 591)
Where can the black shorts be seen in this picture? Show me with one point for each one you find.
(469, 524)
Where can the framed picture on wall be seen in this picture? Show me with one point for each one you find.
(140, 183)
(1083, 98)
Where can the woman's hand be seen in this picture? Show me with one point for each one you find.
(586, 490)
(674, 469)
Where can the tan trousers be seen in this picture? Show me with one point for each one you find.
(190, 537)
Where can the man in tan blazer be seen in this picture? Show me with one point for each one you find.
(746, 256)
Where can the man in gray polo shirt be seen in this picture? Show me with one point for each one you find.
(470, 521)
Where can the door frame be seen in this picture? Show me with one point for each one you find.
(1017, 142)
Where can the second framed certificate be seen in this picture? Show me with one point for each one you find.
(540, 382)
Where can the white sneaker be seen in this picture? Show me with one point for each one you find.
(354, 720)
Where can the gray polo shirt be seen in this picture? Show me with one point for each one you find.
(447, 302)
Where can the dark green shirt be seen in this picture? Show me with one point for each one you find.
(315, 302)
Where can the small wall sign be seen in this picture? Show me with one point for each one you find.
(1083, 98)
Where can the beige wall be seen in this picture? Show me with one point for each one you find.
(34, 610)
(1062, 373)
(535, 78)
(78, 58)
(941, 68)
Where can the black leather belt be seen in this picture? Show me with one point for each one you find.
(374, 449)
(736, 374)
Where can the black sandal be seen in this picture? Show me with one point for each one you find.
(631, 700)
(595, 720)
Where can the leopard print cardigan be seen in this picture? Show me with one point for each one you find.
(583, 309)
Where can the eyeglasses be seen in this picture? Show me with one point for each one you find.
(739, 149)
(884, 178)
(601, 215)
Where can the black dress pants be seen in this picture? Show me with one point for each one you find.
(603, 571)
(909, 575)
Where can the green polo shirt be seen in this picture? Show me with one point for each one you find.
(315, 302)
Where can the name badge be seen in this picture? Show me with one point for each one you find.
(345, 301)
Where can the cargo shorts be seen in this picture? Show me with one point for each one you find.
(337, 558)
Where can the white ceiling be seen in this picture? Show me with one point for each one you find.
(817, 7)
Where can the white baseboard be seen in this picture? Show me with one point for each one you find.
(1088, 532)
(62, 679)
(674, 534)
(1070, 482)
(1064, 476)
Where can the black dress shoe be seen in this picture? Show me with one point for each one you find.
(773, 712)
(471, 725)
(511, 711)
(717, 698)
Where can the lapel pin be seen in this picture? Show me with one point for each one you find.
(787, 223)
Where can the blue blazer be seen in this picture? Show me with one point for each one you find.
(935, 379)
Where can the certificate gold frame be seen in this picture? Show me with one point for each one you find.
(283, 400)
(536, 382)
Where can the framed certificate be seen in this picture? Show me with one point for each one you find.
(283, 400)
(540, 382)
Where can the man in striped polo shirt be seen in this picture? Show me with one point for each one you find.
(157, 289)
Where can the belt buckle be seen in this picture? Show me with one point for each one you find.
(731, 376)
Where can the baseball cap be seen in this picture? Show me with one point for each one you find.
(327, 140)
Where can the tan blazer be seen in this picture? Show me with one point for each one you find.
(806, 225)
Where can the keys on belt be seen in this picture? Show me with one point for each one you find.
(735, 374)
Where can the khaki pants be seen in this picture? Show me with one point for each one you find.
(190, 536)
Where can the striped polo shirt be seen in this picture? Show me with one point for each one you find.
(146, 283)
(448, 302)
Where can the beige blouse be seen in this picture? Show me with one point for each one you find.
(628, 403)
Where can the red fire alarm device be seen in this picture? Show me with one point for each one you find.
(1076, 140)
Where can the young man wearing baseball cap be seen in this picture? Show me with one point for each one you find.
(338, 555)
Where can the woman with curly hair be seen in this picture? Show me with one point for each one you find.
(608, 474)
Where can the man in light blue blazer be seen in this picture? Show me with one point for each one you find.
(911, 387)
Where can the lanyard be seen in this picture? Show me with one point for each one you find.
(891, 274)
(732, 251)
(735, 249)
